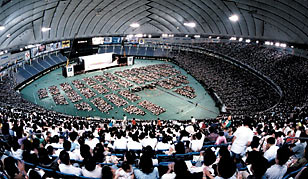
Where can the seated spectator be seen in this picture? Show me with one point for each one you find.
(10, 167)
(297, 164)
(107, 172)
(196, 143)
(65, 166)
(147, 170)
(149, 140)
(120, 142)
(91, 141)
(134, 144)
(258, 165)
(209, 158)
(90, 168)
(254, 145)
(299, 149)
(226, 169)
(125, 172)
(212, 136)
(271, 149)
(74, 143)
(180, 148)
(221, 139)
(164, 144)
(177, 170)
(280, 168)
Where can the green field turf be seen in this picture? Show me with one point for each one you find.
(177, 106)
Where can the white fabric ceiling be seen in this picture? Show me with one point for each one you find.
(284, 20)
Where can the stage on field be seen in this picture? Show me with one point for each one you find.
(113, 92)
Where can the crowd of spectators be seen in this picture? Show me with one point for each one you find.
(153, 149)
(261, 143)
(155, 109)
(134, 110)
(186, 91)
(42, 93)
(59, 99)
(287, 70)
(116, 100)
(239, 90)
(83, 106)
(101, 104)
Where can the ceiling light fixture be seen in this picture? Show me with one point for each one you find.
(45, 29)
(135, 25)
(190, 24)
(2, 27)
(234, 18)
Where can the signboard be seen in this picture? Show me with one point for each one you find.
(27, 55)
(97, 40)
(70, 70)
(141, 41)
(130, 61)
(66, 44)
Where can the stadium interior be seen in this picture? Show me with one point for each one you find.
(148, 89)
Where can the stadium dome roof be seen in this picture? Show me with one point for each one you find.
(22, 20)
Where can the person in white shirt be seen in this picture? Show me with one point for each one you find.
(120, 142)
(271, 151)
(196, 143)
(163, 145)
(241, 139)
(149, 140)
(125, 172)
(91, 141)
(91, 169)
(278, 170)
(65, 166)
(135, 144)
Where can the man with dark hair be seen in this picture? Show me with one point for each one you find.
(65, 166)
(280, 168)
(241, 139)
(271, 151)
(72, 138)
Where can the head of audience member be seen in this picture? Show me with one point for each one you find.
(73, 136)
(85, 151)
(126, 167)
(89, 163)
(180, 148)
(226, 167)
(259, 164)
(255, 143)
(180, 169)
(130, 157)
(148, 151)
(98, 153)
(283, 154)
(270, 141)
(224, 152)
(64, 157)
(34, 175)
(146, 165)
(43, 157)
(209, 157)
(67, 145)
(10, 166)
(107, 172)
